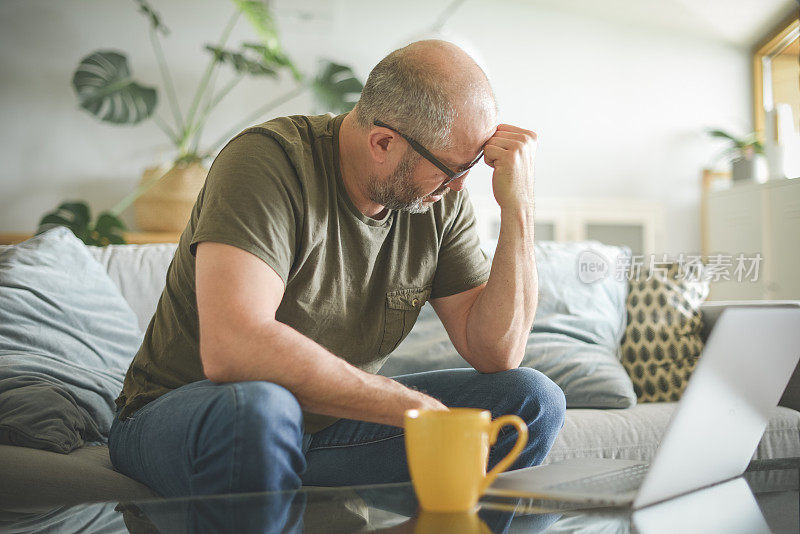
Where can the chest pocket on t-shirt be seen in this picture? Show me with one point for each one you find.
(402, 309)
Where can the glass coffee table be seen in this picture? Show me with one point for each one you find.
(765, 499)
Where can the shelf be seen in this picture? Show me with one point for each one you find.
(133, 238)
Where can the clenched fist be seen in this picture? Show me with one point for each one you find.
(511, 152)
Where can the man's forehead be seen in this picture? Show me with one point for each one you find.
(468, 142)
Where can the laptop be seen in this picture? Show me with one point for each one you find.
(714, 431)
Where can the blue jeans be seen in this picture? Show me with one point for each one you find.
(205, 438)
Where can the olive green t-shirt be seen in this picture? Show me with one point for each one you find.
(353, 284)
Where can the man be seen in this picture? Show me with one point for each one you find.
(310, 251)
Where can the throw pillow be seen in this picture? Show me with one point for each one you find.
(663, 338)
(575, 336)
(65, 325)
(59, 421)
(579, 323)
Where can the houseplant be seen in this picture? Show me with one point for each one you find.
(106, 89)
(742, 154)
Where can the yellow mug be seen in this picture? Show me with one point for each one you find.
(448, 452)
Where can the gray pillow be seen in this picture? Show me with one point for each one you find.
(58, 424)
(575, 336)
(580, 322)
(65, 326)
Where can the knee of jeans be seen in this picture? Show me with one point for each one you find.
(543, 400)
(252, 442)
(265, 407)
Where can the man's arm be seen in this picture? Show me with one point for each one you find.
(489, 324)
(240, 339)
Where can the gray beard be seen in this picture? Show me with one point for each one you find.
(399, 192)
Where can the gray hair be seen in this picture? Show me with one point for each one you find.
(409, 95)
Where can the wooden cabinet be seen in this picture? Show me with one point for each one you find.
(782, 222)
(753, 219)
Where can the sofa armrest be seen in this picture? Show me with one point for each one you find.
(711, 312)
(714, 308)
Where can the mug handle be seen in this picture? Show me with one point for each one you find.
(505, 463)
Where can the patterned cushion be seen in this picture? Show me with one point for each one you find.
(662, 341)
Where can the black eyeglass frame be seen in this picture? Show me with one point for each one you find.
(422, 151)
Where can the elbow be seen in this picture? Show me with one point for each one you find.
(217, 356)
(494, 368)
(489, 369)
(498, 363)
(213, 363)
(497, 355)
(218, 376)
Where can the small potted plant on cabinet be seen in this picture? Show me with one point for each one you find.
(742, 154)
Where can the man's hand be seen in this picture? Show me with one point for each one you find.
(429, 403)
(511, 152)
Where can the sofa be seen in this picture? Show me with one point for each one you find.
(35, 479)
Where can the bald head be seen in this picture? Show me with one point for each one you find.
(425, 90)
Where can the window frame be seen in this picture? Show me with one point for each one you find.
(775, 41)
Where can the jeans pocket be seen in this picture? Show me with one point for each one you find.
(402, 309)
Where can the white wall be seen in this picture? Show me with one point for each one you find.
(620, 110)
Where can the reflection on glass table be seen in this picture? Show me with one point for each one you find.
(768, 501)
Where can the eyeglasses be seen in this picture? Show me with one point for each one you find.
(422, 151)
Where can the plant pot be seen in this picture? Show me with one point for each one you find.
(744, 169)
(167, 205)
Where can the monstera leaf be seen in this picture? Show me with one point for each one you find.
(107, 91)
(107, 230)
(336, 88)
(274, 57)
(258, 15)
(258, 66)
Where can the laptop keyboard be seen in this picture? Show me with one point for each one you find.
(619, 481)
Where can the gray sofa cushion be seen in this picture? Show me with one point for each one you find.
(635, 434)
(65, 326)
(35, 479)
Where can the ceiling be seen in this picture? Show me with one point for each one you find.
(740, 23)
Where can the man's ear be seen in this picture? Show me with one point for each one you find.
(381, 141)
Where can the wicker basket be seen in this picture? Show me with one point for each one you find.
(167, 206)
